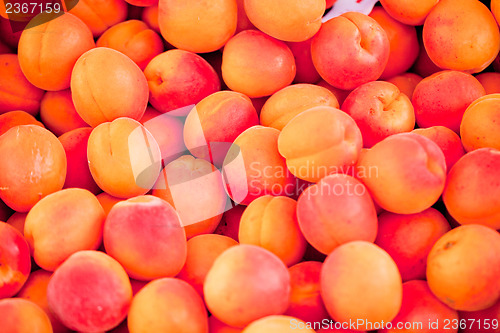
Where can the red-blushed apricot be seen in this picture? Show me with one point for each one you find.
(472, 194)
(288, 102)
(58, 112)
(336, 210)
(408, 11)
(405, 82)
(197, 26)
(320, 141)
(33, 165)
(16, 92)
(230, 222)
(15, 118)
(482, 321)
(463, 268)
(305, 70)
(17, 220)
(292, 21)
(178, 79)
(90, 292)
(405, 173)
(278, 324)
(35, 290)
(422, 312)
(167, 305)
(75, 144)
(106, 85)
(194, 187)
(134, 39)
(350, 50)
(45, 67)
(490, 82)
(441, 99)
(15, 260)
(404, 46)
(145, 235)
(256, 64)
(340, 94)
(238, 288)
(202, 250)
(480, 127)
(63, 223)
(216, 122)
(360, 281)
(447, 140)
(100, 15)
(305, 297)
(380, 110)
(253, 166)
(107, 201)
(124, 158)
(271, 223)
(461, 35)
(150, 17)
(217, 326)
(409, 238)
(22, 316)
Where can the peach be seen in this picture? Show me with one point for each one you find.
(100, 15)
(380, 110)
(217, 326)
(360, 282)
(405, 82)
(350, 50)
(256, 64)
(60, 35)
(22, 316)
(15, 260)
(472, 194)
(33, 166)
(238, 288)
(320, 141)
(278, 324)
(482, 321)
(288, 102)
(230, 222)
(490, 82)
(167, 305)
(480, 127)
(17, 220)
(124, 158)
(178, 79)
(461, 35)
(58, 112)
(409, 238)
(463, 268)
(305, 70)
(106, 85)
(405, 173)
(90, 292)
(107, 201)
(336, 210)
(197, 26)
(408, 11)
(441, 99)
(150, 17)
(271, 223)
(16, 92)
(202, 250)
(63, 223)
(15, 118)
(144, 234)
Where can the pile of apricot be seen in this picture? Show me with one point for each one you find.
(225, 166)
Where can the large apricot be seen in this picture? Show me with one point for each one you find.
(15, 118)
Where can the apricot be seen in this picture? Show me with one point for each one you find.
(256, 64)
(463, 268)
(380, 110)
(178, 79)
(202, 250)
(409, 238)
(340, 94)
(15, 260)
(124, 158)
(405, 173)
(336, 210)
(58, 112)
(243, 23)
(217, 326)
(16, 92)
(320, 141)
(441, 99)
(253, 166)
(60, 35)
(106, 85)
(197, 26)
(238, 288)
(405, 82)
(150, 17)
(424, 66)
(15, 118)
(461, 35)
(22, 316)
(480, 127)
(349, 50)
(230, 222)
(195, 189)
(278, 324)
(305, 70)
(475, 319)
(107, 201)
(471, 194)
(145, 235)
(100, 15)
(17, 220)
(360, 281)
(90, 292)
(288, 102)
(408, 11)
(33, 166)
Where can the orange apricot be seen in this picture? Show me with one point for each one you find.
(58, 112)
(107, 201)
(278, 324)
(22, 316)
(15, 118)
(100, 15)
(408, 11)
(150, 17)
(490, 82)
(17, 220)
(405, 82)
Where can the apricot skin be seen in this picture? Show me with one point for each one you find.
(22, 316)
